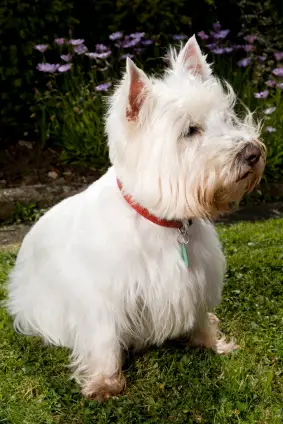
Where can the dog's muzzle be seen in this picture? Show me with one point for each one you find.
(251, 159)
(251, 154)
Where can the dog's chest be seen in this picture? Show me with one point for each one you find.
(139, 267)
(163, 294)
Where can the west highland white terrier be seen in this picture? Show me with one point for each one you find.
(134, 260)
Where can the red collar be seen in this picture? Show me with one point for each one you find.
(146, 214)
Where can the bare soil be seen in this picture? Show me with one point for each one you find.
(25, 163)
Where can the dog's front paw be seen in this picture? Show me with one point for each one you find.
(223, 348)
(213, 318)
(102, 387)
(209, 336)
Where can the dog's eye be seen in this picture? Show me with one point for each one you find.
(192, 131)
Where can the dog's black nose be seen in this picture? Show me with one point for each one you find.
(251, 154)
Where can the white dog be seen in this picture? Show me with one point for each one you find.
(134, 260)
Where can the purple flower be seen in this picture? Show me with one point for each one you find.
(237, 46)
(221, 34)
(216, 27)
(243, 63)
(270, 129)
(105, 55)
(92, 55)
(41, 47)
(137, 35)
(76, 42)
(147, 42)
(270, 83)
(202, 35)
(103, 87)
(211, 46)
(95, 55)
(116, 35)
(278, 72)
(80, 49)
(48, 67)
(262, 58)
(179, 37)
(59, 41)
(65, 68)
(124, 56)
(66, 57)
(269, 110)
(280, 85)
(250, 38)
(261, 95)
(248, 47)
(218, 51)
(101, 48)
(278, 55)
(131, 43)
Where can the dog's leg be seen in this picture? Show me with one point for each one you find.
(207, 334)
(100, 386)
(99, 368)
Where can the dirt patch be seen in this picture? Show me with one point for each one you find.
(42, 196)
(25, 163)
(12, 235)
(254, 213)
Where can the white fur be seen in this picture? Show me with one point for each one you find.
(96, 277)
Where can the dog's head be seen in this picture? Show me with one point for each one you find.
(176, 143)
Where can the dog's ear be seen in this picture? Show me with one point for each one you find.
(191, 59)
(137, 89)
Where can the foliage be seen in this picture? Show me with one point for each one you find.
(170, 383)
(70, 110)
(74, 119)
(27, 214)
(67, 108)
(23, 23)
(265, 19)
(151, 16)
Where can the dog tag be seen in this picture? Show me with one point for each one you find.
(184, 239)
(185, 255)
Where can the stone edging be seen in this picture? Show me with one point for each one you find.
(42, 195)
(45, 196)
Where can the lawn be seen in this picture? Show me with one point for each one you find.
(171, 384)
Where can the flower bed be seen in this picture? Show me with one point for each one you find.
(70, 109)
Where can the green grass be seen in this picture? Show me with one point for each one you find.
(170, 384)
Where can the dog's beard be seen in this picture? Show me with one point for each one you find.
(223, 192)
(236, 185)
